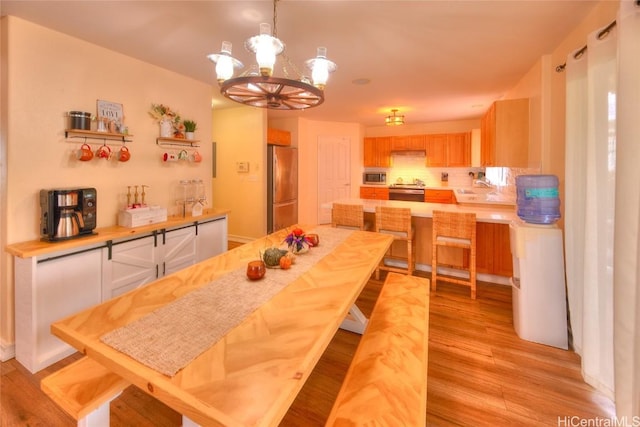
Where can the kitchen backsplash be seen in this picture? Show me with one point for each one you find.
(408, 169)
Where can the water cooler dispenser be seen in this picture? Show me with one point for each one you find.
(539, 295)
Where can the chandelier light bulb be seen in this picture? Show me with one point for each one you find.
(320, 68)
(225, 63)
(266, 47)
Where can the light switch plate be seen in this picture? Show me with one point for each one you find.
(242, 167)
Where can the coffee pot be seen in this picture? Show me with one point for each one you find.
(69, 224)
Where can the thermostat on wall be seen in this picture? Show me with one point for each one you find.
(242, 167)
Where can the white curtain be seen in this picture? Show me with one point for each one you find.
(626, 273)
(602, 206)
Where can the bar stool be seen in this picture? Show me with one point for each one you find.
(397, 222)
(347, 216)
(457, 230)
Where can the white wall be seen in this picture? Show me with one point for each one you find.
(49, 73)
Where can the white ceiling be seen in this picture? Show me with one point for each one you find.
(433, 60)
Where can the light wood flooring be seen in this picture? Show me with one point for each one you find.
(480, 374)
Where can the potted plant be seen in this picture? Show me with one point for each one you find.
(166, 117)
(189, 128)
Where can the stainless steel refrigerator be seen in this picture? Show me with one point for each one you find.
(282, 187)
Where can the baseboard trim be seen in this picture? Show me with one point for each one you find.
(7, 351)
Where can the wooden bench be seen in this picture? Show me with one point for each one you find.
(386, 383)
(84, 390)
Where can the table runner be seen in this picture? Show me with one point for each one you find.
(170, 337)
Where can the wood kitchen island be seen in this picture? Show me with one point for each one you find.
(494, 262)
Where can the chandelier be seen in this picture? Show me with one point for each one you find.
(394, 120)
(258, 87)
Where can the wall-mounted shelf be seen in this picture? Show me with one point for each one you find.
(177, 141)
(91, 134)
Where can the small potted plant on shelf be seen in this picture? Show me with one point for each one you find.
(189, 128)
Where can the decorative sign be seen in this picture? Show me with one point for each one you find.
(110, 111)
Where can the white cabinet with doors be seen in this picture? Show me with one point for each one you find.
(51, 284)
(129, 264)
(178, 249)
(211, 238)
(48, 288)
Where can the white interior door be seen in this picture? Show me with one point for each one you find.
(334, 172)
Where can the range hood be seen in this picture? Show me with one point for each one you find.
(409, 153)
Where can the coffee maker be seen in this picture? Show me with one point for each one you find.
(67, 213)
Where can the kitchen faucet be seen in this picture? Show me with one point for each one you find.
(482, 183)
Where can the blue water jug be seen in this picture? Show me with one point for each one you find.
(537, 200)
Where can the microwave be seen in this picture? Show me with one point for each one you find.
(374, 178)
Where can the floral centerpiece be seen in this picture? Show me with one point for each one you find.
(297, 241)
(168, 119)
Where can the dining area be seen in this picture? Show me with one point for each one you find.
(221, 349)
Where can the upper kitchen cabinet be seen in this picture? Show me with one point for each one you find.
(449, 150)
(408, 143)
(505, 134)
(377, 152)
(278, 137)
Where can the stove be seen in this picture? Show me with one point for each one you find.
(407, 192)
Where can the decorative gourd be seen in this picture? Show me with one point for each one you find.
(285, 263)
(271, 256)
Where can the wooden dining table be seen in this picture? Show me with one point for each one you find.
(252, 374)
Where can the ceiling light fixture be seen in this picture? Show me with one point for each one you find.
(394, 120)
(258, 88)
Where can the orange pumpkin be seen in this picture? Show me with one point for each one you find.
(285, 263)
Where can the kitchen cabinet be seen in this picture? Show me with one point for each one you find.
(408, 143)
(437, 150)
(377, 152)
(131, 263)
(459, 149)
(448, 150)
(377, 193)
(493, 252)
(48, 288)
(178, 249)
(278, 137)
(505, 134)
(212, 238)
(438, 196)
(54, 283)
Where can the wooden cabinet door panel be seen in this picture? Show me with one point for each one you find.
(179, 249)
(484, 247)
(408, 143)
(459, 149)
(502, 259)
(437, 150)
(493, 252)
(377, 152)
(505, 134)
(438, 196)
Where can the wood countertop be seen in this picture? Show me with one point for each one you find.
(487, 214)
(39, 247)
